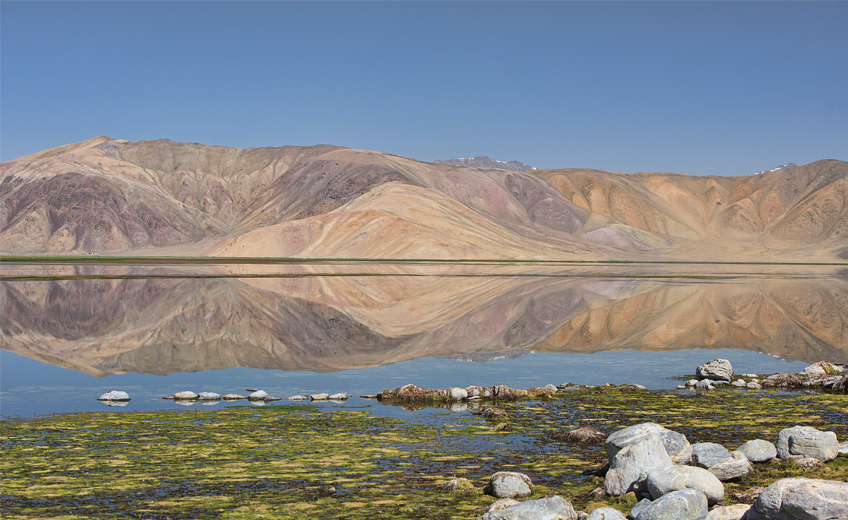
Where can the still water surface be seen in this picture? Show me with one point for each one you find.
(72, 332)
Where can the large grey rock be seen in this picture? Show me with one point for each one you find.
(676, 444)
(674, 478)
(458, 394)
(707, 454)
(735, 467)
(606, 513)
(734, 512)
(804, 441)
(114, 395)
(758, 450)
(508, 484)
(554, 508)
(801, 499)
(630, 466)
(686, 504)
(716, 370)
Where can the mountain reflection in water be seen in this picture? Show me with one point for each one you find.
(111, 319)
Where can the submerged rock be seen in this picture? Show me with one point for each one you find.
(586, 434)
(457, 484)
(114, 395)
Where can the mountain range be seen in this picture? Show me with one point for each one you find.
(164, 198)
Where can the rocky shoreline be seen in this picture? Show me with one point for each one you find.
(674, 479)
(653, 469)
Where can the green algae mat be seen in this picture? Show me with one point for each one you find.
(295, 461)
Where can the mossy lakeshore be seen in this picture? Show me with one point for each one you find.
(281, 461)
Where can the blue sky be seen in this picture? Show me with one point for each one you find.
(722, 88)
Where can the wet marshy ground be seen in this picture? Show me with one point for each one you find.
(287, 462)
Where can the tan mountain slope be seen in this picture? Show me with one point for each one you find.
(803, 208)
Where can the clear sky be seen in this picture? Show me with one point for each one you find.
(721, 88)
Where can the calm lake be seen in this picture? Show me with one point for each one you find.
(70, 333)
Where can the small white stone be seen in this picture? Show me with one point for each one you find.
(258, 395)
(208, 396)
(185, 394)
(298, 398)
(339, 397)
(320, 397)
(114, 395)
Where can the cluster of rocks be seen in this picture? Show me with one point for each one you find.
(720, 372)
(340, 397)
(470, 393)
(683, 481)
(656, 463)
(187, 396)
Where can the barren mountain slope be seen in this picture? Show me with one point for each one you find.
(107, 195)
(110, 195)
(803, 208)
